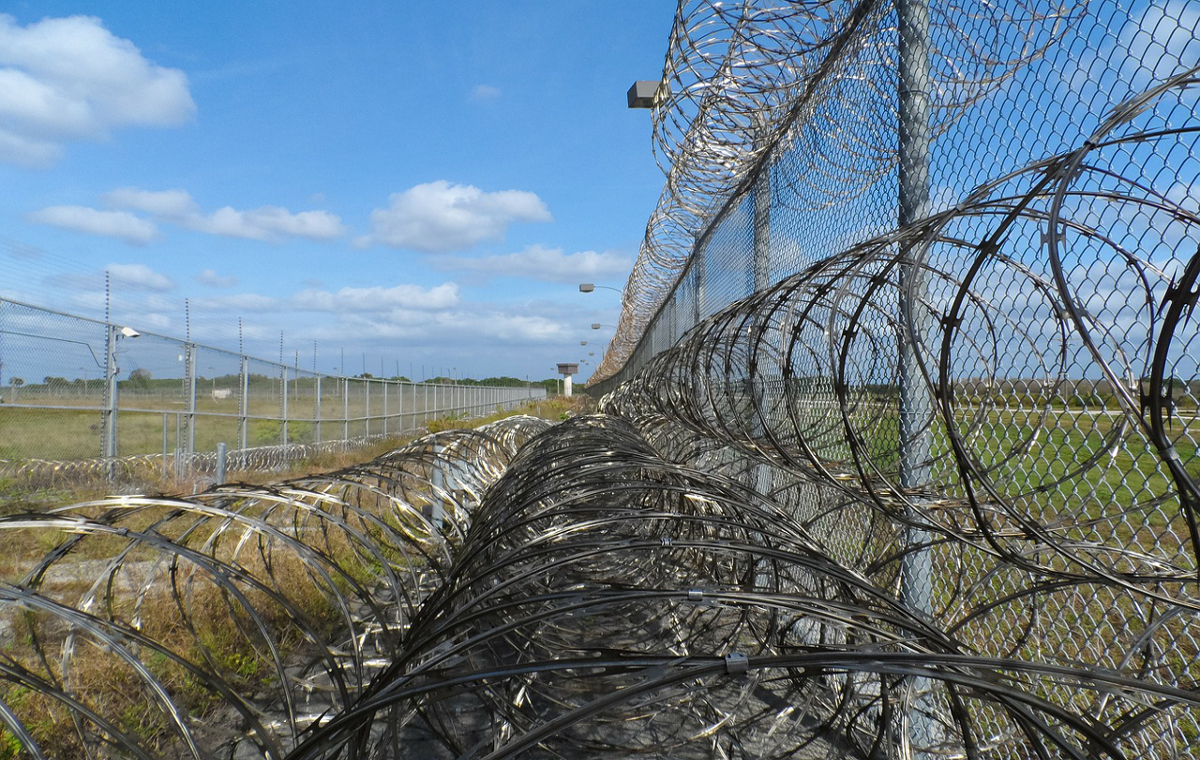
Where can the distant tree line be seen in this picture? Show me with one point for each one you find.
(142, 380)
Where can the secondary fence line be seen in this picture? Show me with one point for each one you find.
(116, 394)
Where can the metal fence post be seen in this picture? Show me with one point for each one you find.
(915, 435)
(108, 444)
(244, 406)
(345, 408)
(400, 404)
(317, 409)
(762, 224)
(189, 368)
(761, 267)
(367, 405)
(283, 407)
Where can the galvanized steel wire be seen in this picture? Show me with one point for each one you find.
(720, 564)
(746, 82)
(608, 602)
(151, 627)
(142, 468)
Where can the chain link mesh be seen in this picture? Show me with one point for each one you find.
(979, 354)
(170, 403)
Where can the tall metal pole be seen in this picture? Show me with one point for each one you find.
(189, 368)
(284, 436)
(244, 404)
(109, 443)
(316, 407)
(915, 405)
(761, 273)
(762, 226)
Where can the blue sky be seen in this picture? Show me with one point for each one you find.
(422, 183)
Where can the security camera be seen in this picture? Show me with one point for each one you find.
(129, 332)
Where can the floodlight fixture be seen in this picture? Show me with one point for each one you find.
(642, 94)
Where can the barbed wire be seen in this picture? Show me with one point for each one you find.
(607, 602)
(719, 565)
(143, 468)
(145, 627)
(1015, 313)
(745, 81)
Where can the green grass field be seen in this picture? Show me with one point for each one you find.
(74, 431)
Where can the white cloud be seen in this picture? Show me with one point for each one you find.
(1162, 40)
(138, 277)
(477, 326)
(484, 92)
(117, 224)
(210, 278)
(171, 205)
(438, 217)
(26, 151)
(269, 223)
(548, 264)
(521, 328)
(1157, 41)
(70, 79)
(379, 299)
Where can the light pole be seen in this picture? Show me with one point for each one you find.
(587, 343)
(597, 326)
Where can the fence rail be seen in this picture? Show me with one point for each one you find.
(72, 388)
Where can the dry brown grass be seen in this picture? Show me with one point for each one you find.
(188, 612)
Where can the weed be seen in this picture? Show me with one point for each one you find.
(10, 746)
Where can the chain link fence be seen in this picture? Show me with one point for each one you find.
(779, 127)
(75, 390)
(927, 273)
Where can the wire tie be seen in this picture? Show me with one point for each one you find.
(736, 663)
(695, 595)
(666, 541)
